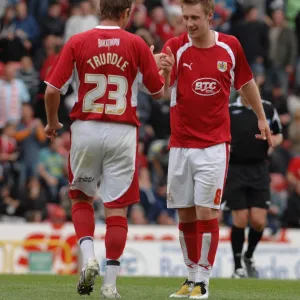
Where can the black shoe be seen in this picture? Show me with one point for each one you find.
(250, 268)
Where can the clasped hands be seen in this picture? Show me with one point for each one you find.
(164, 61)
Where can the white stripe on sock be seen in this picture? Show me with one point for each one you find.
(87, 249)
(205, 268)
(192, 268)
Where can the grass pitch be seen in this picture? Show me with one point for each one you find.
(40, 287)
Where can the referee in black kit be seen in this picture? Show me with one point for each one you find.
(247, 190)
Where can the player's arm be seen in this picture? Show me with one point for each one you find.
(52, 101)
(276, 128)
(58, 80)
(166, 65)
(153, 83)
(251, 93)
(169, 49)
(245, 84)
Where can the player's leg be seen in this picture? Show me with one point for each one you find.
(119, 188)
(84, 173)
(209, 169)
(180, 196)
(115, 241)
(258, 221)
(235, 197)
(240, 222)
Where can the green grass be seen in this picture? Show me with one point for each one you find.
(38, 287)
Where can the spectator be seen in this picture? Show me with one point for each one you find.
(293, 101)
(224, 10)
(81, 20)
(294, 133)
(158, 157)
(278, 99)
(51, 169)
(291, 217)
(13, 93)
(73, 23)
(159, 26)
(52, 24)
(158, 212)
(297, 79)
(256, 48)
(29, 76)
(278, 202)
(30, 135)
(282, 52)
(27, 28)
(46, 56)
(11, 46)
(139, 20)
(9, 168)
(38, 8)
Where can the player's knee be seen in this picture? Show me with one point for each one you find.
(115, 212)
(87, 200)
(187, 215)
(206, 213)
(240, 219)
(240, 223)
(258, 224)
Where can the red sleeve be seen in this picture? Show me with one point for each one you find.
(242, 71)
(170, 43)
(152, 82)
(60, 75)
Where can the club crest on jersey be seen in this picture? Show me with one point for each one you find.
(222, 66)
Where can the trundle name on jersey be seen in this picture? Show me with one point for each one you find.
(206, 86)
(108, 59)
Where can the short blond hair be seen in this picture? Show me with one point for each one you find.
(208, 5)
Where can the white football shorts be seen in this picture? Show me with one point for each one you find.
(197, 176)
(103, 161)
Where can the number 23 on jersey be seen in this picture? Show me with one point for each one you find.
(102, 81)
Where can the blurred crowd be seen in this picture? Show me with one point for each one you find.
(33, 171)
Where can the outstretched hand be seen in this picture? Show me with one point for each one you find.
(51, 131)
(265, 132)
(167, 62)
(164, 61)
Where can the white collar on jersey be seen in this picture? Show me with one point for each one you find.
(108, 27)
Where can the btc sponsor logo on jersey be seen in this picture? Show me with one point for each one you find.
(206, 86)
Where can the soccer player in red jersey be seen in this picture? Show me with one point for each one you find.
(108, 66)
(207, 65)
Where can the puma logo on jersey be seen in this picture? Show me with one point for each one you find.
(188, 66)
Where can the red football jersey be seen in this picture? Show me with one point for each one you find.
(201, 81)
(108, 66)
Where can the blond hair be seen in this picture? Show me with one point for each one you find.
(208, 5)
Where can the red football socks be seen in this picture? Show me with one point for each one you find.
(208, 239)
(116, 235)
(188, 241)
(83, 220)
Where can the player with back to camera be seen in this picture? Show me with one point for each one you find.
(108, 66)
(207, 64)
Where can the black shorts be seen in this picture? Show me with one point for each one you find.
(247, 185)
